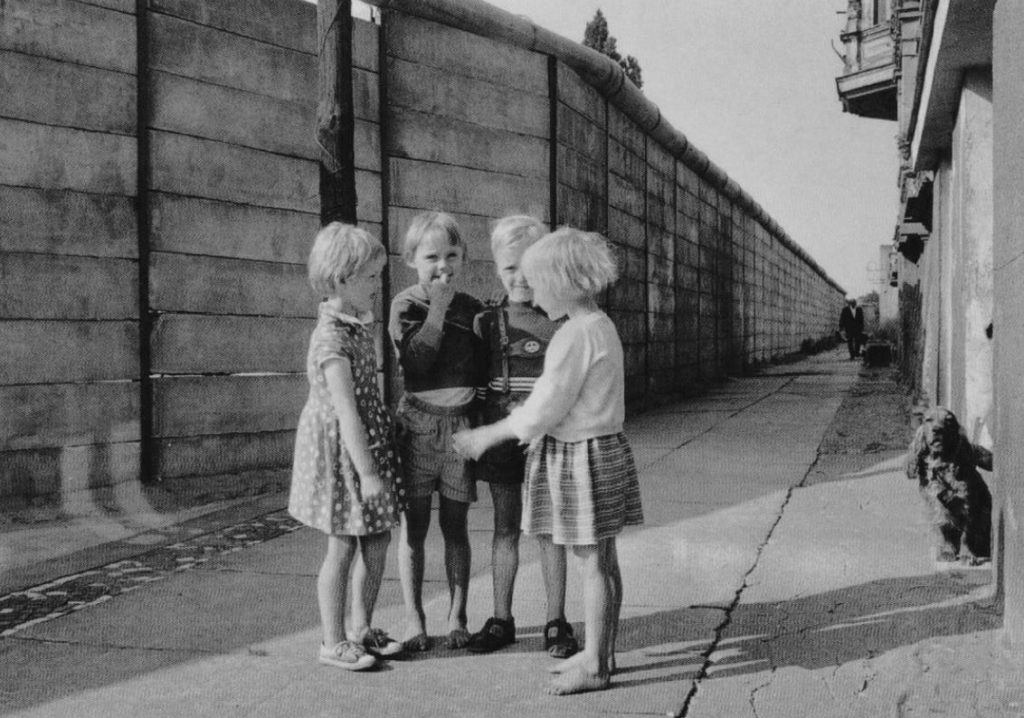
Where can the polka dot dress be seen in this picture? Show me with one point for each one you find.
(325, 490)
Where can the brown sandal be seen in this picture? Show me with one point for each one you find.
(559, 640)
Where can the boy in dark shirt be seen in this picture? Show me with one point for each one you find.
(431, 325)
(515, 335)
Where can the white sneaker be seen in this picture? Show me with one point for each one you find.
(347, 655)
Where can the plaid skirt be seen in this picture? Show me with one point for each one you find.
(580, 492)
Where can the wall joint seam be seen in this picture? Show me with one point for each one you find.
(148, 469)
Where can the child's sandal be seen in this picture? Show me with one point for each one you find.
(559, 640)
(417, 644)
(457, 638)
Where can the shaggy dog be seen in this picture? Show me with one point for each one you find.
(945, 464)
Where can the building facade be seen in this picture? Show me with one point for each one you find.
(948, 72)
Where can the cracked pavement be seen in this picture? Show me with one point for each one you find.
(782, 571)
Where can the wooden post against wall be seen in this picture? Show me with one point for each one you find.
(335, 112)
(148, 466)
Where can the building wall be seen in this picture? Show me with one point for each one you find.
(1008, 292)
(933, 316)
(972, 281)
(957, 269)
(888, 295)
(154, 307)
(912, 329)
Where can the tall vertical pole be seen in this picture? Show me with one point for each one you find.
(148, 465)
(553, 210)
(389, 356)
(335, 112)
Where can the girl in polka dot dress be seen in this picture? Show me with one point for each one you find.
(345, 477)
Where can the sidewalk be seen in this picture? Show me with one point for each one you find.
(782, 571)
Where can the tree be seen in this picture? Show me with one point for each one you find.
(596, 36)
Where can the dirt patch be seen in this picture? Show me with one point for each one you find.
(873, 425)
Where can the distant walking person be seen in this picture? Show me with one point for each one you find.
(851, 324)
(345, 479)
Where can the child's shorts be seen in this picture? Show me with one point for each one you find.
(424, 434)
(506, 462)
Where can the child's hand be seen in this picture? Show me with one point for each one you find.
(440, 294)
(470, 443)
(370, 486)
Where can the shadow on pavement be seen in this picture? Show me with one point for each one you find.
(824, 630)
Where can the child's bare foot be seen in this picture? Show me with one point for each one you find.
(568, 664)
(577, 680)
(576, 661)
(458, 638)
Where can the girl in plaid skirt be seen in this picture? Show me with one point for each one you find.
(581, 482)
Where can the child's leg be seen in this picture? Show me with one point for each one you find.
(415, 522)
(499, 630)
(553, 566)
(331, 586)
(452, 518)
(610, 557)
(508, 511)
(589, 672)
(559, 640)
(366, 579)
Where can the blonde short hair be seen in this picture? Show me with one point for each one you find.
(339, 252)
(515, 231)
(426, 223)
(570, 263)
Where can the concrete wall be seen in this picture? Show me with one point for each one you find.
(705, 289)
(888, 295)
(69, 276)
(154, 306)
(956, 269)
(1008, 291)
(972, 145)
(911, 339)
(154, 302)
(232, 196)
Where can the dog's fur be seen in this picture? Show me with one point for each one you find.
(945, 464)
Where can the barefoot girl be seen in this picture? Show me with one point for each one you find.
(345, 479)
(581, 484)
(431, 325)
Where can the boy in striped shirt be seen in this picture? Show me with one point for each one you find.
(516, 335)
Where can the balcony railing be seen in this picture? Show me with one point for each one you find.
(867, 86)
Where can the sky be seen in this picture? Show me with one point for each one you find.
(752, 84)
